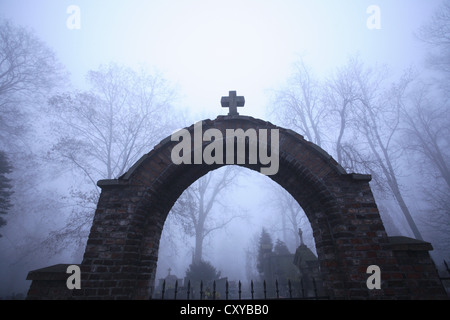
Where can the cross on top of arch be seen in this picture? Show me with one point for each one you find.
(232, 102)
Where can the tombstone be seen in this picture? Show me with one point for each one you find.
(308, 266)
(279, 269)
(168, 285)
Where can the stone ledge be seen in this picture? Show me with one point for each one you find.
(361, 177)
(53, 273)
(111, 183)
(401, 243)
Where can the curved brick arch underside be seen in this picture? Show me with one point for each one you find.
(122, 250)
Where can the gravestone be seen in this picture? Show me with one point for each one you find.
(168, 285)
(308, 265)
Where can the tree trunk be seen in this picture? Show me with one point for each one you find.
(389, 172)
(401, 202)
(341, 133)
(198, 251)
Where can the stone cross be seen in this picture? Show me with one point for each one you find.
(232, 102)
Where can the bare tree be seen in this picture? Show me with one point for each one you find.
(29, 70)
(104, 131)
(288, 213)
(436, 35)
(195, 207)
(427, 130)
(360, 119)
(427, 136)
(324, 112)
(321, 111)
(379, 118)
(298, 105)
(251, 258)
(340, 96)
(291, 214)
(100, 133)
(29, 74)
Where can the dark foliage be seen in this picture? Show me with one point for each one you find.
(265, 246)
(203, 271)
(280, 248)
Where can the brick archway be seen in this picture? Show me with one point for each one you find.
(122, 248)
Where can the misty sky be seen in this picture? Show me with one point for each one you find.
(207, 48)
(210, 47)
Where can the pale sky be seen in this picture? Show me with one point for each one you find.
(210, 47)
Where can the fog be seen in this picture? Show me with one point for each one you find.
(181, 57)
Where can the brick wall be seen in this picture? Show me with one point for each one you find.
(417, 277)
